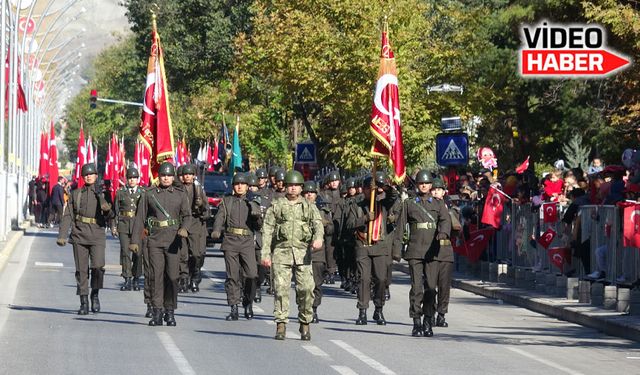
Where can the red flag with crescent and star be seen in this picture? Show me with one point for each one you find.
(631, 226)
(559, 256)
(550, 212)
(385, 122)
(477, 243)
(523, 167)
(156, 132)
(493, 207)
(547, 238)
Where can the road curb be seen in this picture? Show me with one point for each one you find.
(13, 237)
(606, 321)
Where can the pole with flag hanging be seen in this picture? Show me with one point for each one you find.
(236, 154)
(53, 158)
(81, 156)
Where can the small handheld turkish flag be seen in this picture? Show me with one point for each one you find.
(477, 243)
(550, 212)
(493, 206)
(631, 230)
(523, 167)
(547, 238)
(559, 256)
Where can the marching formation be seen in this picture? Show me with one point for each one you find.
(274, 227)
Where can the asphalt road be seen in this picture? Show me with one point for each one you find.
(41, 333)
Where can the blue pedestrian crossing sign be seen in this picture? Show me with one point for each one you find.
(452, 149)
(305, 153)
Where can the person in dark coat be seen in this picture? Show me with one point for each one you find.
(57, 201)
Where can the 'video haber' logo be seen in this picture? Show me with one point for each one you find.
(560, 51)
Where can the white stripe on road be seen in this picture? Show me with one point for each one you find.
(176, 355)
(316, 351)
(258, 309)
(544, 361)
(49, 264)
(364, 358)
(344, 370)
(291, 335)
(633, 357)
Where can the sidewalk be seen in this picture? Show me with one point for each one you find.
(7, 247)
(607, 321)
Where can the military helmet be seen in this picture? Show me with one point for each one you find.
(261, 173)
(366, 181)
(273, 170)
(166, 169)
(438, 183)
(310, 187)
(180, 170)
(188, 169)
(87, 169)
(381, 178)
(293, 178)
(132, 173)
(424, 176)
(240, 178)
(280, 175)
(332, 176)
(350, 183)
(253, 180)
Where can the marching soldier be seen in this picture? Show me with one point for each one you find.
(197, 240)
(428, 218)
(439, 264)
(298, 226)
(331, 195)
(86, 215)
(165, 212)
(318, 258)
(372, 249)
(126, 204)
(265, 195)
(348, 266)
(278, 189)
(239, 219)
(183, 278)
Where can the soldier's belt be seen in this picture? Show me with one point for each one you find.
(128, 213)
(163, 223)
(239, 231)
(86, 220)
(423, 226)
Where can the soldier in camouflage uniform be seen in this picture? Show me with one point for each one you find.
(86, 215)
(126, 204)
(292, 228)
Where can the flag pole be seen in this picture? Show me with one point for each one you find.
(372, 202)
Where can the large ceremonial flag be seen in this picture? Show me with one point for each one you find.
(53, 158)
(81, 158)
(236, 155)
(43, 166)
(385, 122)
(156, 132)
(493, 207)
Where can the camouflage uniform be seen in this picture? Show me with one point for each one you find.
(289, 228)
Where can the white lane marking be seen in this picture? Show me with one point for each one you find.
(11, 275)
(216, 279)
(364, 358)
(291, 335)
(316, 351)
(49, 264)
(633, 357)
(258, 309)
(176, 355)
(544, 361)
(344, 370)
(270, 322)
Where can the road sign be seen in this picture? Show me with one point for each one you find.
(452, 149)
(306, 153)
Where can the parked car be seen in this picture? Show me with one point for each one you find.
(216, 186)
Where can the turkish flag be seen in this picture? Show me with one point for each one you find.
(547, 238)
(43, 167)
(107, 164)
(458, 245)
(550, 212)
(385, 122)
(81, 158)
(523, 167)
(560, 256)
(493, 206)
(53, 158)
(477, 243)
(631, 226)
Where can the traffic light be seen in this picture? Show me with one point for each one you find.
(94, 98)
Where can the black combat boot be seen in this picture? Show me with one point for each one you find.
(427, 329)
(182, 285)
(149, 312)
(440, 322)
(258, 297)
(233, 315)
(84, 305)
(126, 285)
(170, 318)
(305, 334)
(315, 316)
(194, 287)
(417, 328)
(156, 319)
(362, 318)
(378, 316)
(136, 284)
(281, 331)
(95, 301)
(387, 294)
(248, 311)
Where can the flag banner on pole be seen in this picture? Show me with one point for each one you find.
(81, 157)
(43, 166)
(385, 122)
(523, 167)
(156, 132)
(493, 207)
(53, 158)
(236, 156)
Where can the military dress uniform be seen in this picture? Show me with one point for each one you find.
(426, 217)
(86, 215)
(334, 201)
(197, 240)
(290, 226)
(165, 214)
(238, 218)
(126, 203)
